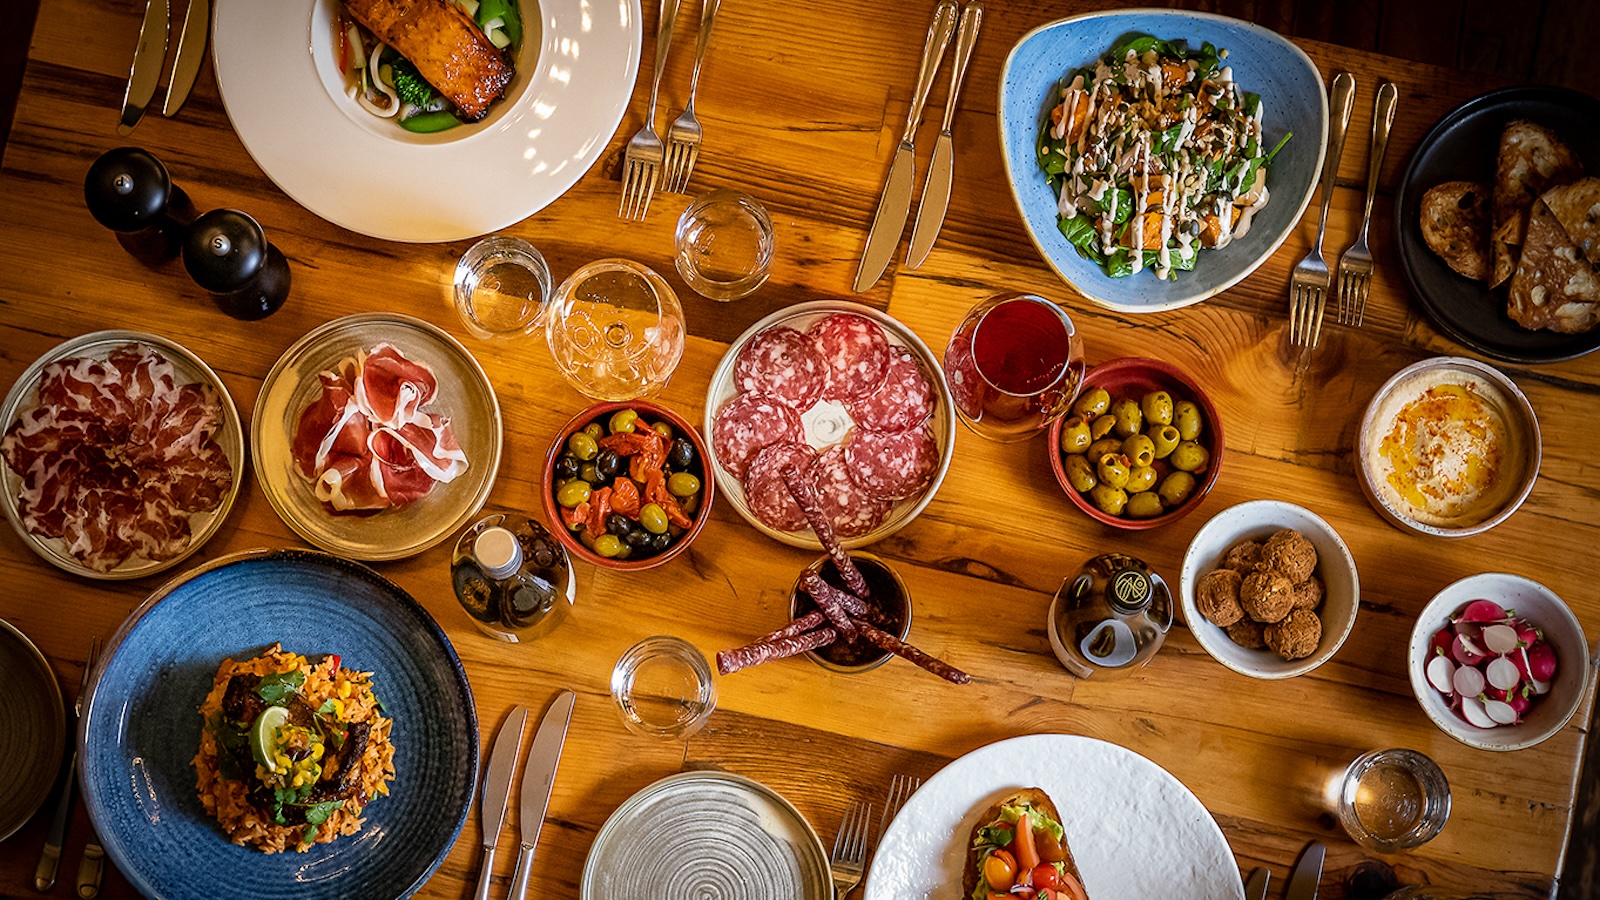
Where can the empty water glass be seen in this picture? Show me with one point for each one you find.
(724, 244)
(502, 284)
(662, 686)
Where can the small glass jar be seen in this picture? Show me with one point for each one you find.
(512, 577)
(1110, 618)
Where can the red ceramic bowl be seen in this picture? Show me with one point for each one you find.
(1134, 377)
(650, 412)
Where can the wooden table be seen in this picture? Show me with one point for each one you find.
(802, 104)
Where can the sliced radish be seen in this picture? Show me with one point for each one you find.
(1482, 611)
(1441, 671)
(1541, 661)
(1466, 652)
(1500, 712)
(1472, 710)
(1500, 638)
(1468, 681)
(1502, 673)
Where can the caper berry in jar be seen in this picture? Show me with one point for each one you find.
(1092, 404)
(1144, 505)
(1140, 478)
(1128, 418)
(1186, 418)
(1109, 500)
(622, 421)
(1176, 488)
(1080, 473)
(1140, 450)
(573, 493)
(1165, 439)
(682, 484)
(1157, 408)
(1112, 470)
(1075, 435)
(583, 445)
(1189, 456)
(653, 518)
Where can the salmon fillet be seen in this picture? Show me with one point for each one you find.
(445, 45)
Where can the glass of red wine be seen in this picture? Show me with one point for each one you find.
(1014, 365)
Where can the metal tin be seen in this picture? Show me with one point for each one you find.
(902, 632)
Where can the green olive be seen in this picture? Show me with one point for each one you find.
(1141, 478)
(1189, 456)
(1075, 435)
(1101, 427)
(1129, 419)
(1186, 416)
(573, 493)
(1140, 450)
(663, 429)
(588, 472)
(1091, 404)
(622, 421)
(595, 430)
(583, 445)
(1080, 474)
(1112, 469)
(1165, 439)
(1108, 499)
(682, 484)
(608, 545)
(1103, 446)
(653, 518)
(1144, 505)
(1176, 488)
(1157, 408)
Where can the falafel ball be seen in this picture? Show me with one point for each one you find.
(1266, 596)
(1247, 633)
(1217, 596)
(1308, 593)
(1297, 636)
(1243, 557)
(1289, 552)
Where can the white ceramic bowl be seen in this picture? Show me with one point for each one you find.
(1547, 612)
(1521, 450)
(1257, 520)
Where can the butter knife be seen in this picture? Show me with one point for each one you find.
(1256, 887)
(148, 55)
(191, 53)
(537, 779)
(497, 789)
(1307, 874)
(895, 203)
(936, 189)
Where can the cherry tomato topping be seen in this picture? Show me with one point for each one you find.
(1000, 870)
(1045, 876)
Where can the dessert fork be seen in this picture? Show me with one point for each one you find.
(849, 858)
(1309, 285)
(683, 137)
(642, 164)
(1355, 266)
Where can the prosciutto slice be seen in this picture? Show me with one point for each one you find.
(367, 444)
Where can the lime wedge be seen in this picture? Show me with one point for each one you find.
(264, 735)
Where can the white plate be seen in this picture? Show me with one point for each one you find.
(190, 369)
(1135, 831)
(283, 92)
(698, 835)
(464, 396)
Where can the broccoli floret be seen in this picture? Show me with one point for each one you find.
(410, 85)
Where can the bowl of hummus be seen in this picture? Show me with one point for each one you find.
(1449, 447)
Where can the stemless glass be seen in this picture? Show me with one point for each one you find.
(502, 284)
(1014, 365)
(616, 330)
(1393, 800)
(724, 244)
(663, 688)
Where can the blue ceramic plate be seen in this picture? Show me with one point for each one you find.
(141, 728)
(1264, 62)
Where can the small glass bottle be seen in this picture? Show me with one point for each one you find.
(512, 577)
(1110, 618)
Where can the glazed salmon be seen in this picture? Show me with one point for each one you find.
(445, 45)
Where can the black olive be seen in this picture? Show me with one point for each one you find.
(618, 524)
(609, 464)
(680, 456)
(637, 538)
(660, 542)
(566, 468)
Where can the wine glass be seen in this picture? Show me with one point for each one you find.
(615, 329)
(1014, 365)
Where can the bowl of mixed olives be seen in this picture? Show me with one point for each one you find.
(626, 486)
(1141, 445)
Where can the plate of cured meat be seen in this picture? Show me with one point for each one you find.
(846, 393)
(123, 453)
(376, 436)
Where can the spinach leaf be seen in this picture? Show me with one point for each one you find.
(1080, 233)
(994, 835)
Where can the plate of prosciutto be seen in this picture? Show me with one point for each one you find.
(846, 393)
(376, 436)
(123, 453)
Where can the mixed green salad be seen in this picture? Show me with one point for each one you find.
(1154, 152)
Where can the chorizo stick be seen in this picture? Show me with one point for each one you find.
(805, 496)
(886, 641)
(730, 661)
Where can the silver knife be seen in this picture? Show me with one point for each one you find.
(936, 190)
(1307, 874)
(148, 55)
(896, 200)
(496, 790)
(537, 779)
(191, 53)
(1256, 887)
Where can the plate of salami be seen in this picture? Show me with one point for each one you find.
(845, 392)
(376, 436)
(122, 452)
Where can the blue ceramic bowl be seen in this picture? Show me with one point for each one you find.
(1264, 62)
(141, 728)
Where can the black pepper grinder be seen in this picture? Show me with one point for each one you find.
(227, 253)
(129, 191)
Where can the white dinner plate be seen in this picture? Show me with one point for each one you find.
(1134, 830)
(284, 94)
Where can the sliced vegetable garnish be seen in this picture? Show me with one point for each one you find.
(264, 736)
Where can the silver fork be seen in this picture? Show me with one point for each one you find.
(683, 137)
(901, 787)
(1309, 285)
(1355, 266)
(44, 877)
(642, 164)
(850, 849)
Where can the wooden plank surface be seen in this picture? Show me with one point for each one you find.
(808, 126)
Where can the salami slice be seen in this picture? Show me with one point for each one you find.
(902, 402)
(892, 465)
(855, 351)
(783, 364)
(746, 424)
(851, 510)
(766, 494)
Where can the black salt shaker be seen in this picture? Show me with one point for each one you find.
(129, 191)
(228, 254)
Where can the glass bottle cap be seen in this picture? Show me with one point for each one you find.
(498, 552)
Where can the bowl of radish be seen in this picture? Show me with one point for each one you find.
(1498, 661)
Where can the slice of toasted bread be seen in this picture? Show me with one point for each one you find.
(1531, 159)
(1555, 287)
(1577, 207)
(1034, 797)
(1455, 224)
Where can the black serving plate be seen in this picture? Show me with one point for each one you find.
(1462, 147)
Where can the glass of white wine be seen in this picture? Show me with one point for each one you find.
(615, 329)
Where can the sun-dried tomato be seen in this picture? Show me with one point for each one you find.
(599, 508)
(625, 497)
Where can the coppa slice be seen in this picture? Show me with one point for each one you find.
(892, 465)
(746, 424)
(851, 510)
(783, 364)
(766, 494)
(903, 401)
(855, 351)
